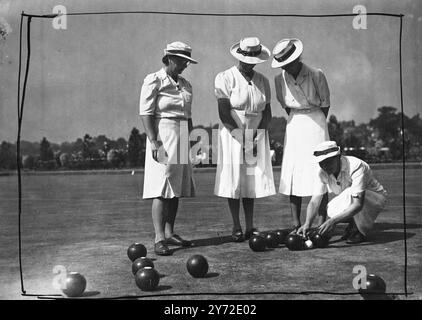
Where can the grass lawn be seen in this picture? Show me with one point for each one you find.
(85, 222)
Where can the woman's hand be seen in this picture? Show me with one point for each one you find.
(155, 147)
(303, 230)
(326, 227)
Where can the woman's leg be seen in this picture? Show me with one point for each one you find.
(158, 217)
(170, 218)
(234, 206)
(295, 208)
(248, 205)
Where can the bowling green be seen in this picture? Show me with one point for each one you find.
(85, 221)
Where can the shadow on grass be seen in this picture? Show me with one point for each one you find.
(86, 294)
(90, 294)
(391, 226)
(163, 288)
(383, 296)
(375, 238)
(214, 241)
(211, 275)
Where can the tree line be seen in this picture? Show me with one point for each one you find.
(379, 140)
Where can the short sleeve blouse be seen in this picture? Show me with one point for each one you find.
(309, 89)
(251, 97)
(163, 97)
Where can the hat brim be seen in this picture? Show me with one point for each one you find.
(182, 56)
(321, 158)
(296, 54)
(262, 57)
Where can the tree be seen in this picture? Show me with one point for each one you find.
(87, 146)
(7, 156)
(388, 127)
(65, 160)
(135, 148)
(121, 144)
(335, 130)
(116, 158)
(77, 146)
(46, 152)
(28, 162)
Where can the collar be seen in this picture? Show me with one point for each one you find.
(163, 75)
(301, 77)
(240, 73)
(344, 169)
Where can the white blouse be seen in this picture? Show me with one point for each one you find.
(308, 90)
(163, 97)
(354, 173)
(250, 97)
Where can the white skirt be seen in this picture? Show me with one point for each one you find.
(240, 176)
(172, 175)
(373, 204)
(299, 171)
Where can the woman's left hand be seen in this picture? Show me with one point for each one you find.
(326, 227)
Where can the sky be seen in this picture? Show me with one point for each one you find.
(87, 77)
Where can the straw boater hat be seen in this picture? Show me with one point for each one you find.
(286, 51)
(325, 150)
(179, 49)
(250, 50)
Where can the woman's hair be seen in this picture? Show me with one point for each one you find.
(165, 60)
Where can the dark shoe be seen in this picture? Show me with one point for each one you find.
(250, 233)
(178, 241)
(237, 236)
(356, 238)
(161, 249)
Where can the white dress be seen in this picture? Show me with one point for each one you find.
(240, 174)
(170, 104)
(306, 128)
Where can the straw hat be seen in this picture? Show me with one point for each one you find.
(250, 50)
(325, 150)
(286, 51)
(179, 49)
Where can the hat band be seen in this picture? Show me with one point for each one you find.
(249, 53)
(324, 152)
(186, 53)
(287, 54)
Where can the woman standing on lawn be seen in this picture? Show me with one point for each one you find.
(243, 97)
(165, 109)
(303, 92)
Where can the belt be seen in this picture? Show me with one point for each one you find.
(305, 110)
(173, 118)
(247, 113)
